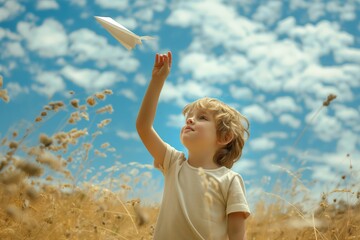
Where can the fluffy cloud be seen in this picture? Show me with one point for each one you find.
(127, 135)
(283, 104)
(48, 83)
(184, 92)
(46, 4)
(129, 94)
(245, 166)
(14, 49)
(257, 113)
(15, 89)
(289, 120)
(86, 45)
(176, 120)
(110, 4)
(48, 40)
(91, 80)
(10, 9)
(262, 144)
(327, 128)
(268, 13)
(240, 92)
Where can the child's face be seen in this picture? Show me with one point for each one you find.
(199, 130)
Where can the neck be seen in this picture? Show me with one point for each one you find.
(202, 159)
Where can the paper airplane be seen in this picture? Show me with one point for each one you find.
(121, 33)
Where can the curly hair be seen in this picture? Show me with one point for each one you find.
(230, 124)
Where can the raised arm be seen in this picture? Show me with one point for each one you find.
(144, 123)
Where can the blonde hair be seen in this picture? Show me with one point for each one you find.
(230, 124)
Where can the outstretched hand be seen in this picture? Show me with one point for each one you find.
(162, 66)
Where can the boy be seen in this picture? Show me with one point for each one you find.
(203, 198)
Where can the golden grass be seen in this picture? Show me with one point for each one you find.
(41, 199)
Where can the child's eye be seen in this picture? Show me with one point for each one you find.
(202, 117)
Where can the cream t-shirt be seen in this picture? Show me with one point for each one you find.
(196, 201)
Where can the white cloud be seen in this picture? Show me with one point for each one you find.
(48, 83)
(127, 135)
(347, 55)
(262, 144)
(289, 120)
(145, 14)
(140, 79)
(275, 134)
(245, 166)
(15, 89)
(321, 38)
(316, 10)
(285, 25)
(92, 80)
(221, 69)
(348, 142)
(283, 104)
(48, 40)
(327, 128)
(185, 91)
(128, 93)
(111, 4)
(323, 173)
(268, 13)
(176, 120)
(257, 113)
(10, 10)
(46, 4)
(86, 45)
(14, 49)
(268, 161)
(348, 115)
(80, 3)
(240, 92)
(5, 33)
(129, 23)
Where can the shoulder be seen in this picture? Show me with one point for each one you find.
(172, 156)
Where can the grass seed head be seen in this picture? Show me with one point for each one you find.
(330, 97)
(45, 140)
(103, 123)
(31, 169)
(1, 81)
(13, 145)
(107, 108)
(75, 103)
(91, 101)
(100, 96)
(108, 91)
(4, 95)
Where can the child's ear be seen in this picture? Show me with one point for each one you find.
(226, 139)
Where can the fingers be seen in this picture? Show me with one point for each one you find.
(157, 59)
(163, 58)
(169, 54)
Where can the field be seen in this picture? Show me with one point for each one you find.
(42, 199)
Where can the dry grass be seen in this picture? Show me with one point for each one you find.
(41, 199)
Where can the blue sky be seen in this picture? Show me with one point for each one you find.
(274, 61)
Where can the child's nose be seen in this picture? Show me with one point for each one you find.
(190, 121)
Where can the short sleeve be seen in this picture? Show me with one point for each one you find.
(171, 156)
(236, 198)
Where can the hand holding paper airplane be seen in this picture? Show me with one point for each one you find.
(127, 38)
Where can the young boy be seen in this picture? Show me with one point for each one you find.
(203, 198)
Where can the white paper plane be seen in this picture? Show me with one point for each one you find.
(127, 38)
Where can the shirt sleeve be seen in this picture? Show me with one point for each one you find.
(236, 201)
(171, 156)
